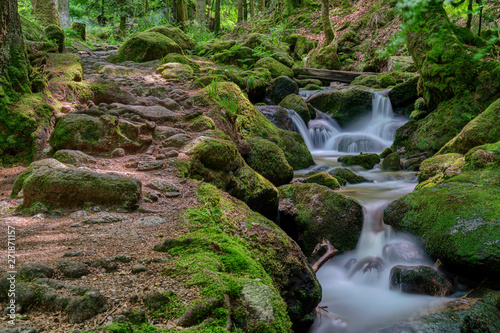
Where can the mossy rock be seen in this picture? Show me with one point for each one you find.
(431, 133)
(252, 123)
(367, 161)
(348, 176)
(281, 87)
(266, 158)
(297, 103)
(69, 67)
(481, 130)
(420, 280)
(56, 33)
(77, 188)
(401, 64)
(417, 115)
(200, 124)
(217, 46)
(241, 56)
(324, 179)
(218, 162)
(309, 212)
(278, 52)
(32, 31)
(287, 286)
(50, 163)
(391, 162)
(204, 81)
(181, 59)
(304, 82)
(345, 106)
(325, 57)
(182, 39)
(485, 156)
(255, 81)
(386, 152)
(405, 93)
(146, 46)
(312, 87)
(444, 166)
(455, 221)
(299, 45)
(274, 67)
(74, 157)
(175, 71)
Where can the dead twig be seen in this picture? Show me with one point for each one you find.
(331, 251)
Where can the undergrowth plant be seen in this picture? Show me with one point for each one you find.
(229, 105)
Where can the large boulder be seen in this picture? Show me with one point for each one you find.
(440, 167)
(97, 135)
(309, 212)
(252, 123)
(367, 161)
(268, 159)
(481, 130)
(75, 157)
(391, 162)
(218, 162)
(423, 280)
(146, 46)
(348, 175)
(323, 179)
(297, 103)
(277, 115)
(281, 87)
(325, 57)
(404, 93)
(175, 71)
(274, 67)
(401, 64)
(76, 188)
(345, 106)
(50, 163)
(185, 41)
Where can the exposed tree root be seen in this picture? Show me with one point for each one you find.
(331, 251)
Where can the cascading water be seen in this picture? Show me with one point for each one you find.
(355, 285)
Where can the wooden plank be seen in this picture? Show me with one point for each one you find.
(331, 75)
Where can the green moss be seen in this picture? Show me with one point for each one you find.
(347, 175)
(32, 31)
(175, 71)
(345, 106)
(177, 35)
(236, 55)
(202, 123)
(391, 162)
(367, 161)
(254, 81)
(268, 159)
(181, 59)
(66, 67)
(297, 103)
(485, 156)
(312, 87)
(443, 166)
(404, 93)
(324, 179)
(275, 67)
(146, 46)
(56, 33)
(45, 12)
(324, 58)
(204, 81)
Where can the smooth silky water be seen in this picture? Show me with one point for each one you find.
(355, 285)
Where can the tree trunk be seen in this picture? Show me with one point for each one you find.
(14, 65)
(45, 11)
(325, 20)
(262, 5)
(469, 13)
(146, 8)
(252, 9)
(201, 12)
(245, 10)
(240, 11)
(63, 8)
(217, 17)
(123, 25)
(180, 13)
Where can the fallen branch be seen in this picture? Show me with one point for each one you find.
(320, 310)
(331, 251)
(228, 307)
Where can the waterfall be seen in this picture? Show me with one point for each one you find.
(372, 133)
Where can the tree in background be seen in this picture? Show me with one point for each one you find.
(325, 20)
(63, 9)
(201, 12)
(217, 17)
(45, 11)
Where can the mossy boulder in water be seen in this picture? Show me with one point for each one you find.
(348, 175)
(281, 87)
(309, 212)
(422, 280)
(404, 93)
(345, 106)
(324, 179)
(146, 46)
(274, 67)
(483, 129)
(77, 188)
(367, 161)
(218, 162)
(297, 103)
(391, 162)
(440, 167)
(325, 57)
(252, 123)
(268, 159)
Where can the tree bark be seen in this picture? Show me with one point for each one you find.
(217, 17)
(469, 13)
(252, 8)
(63, 8)
(45, 11)
(180, 13)
(201, 12)
(245, 10)
(325, 20)
(123, 25)
(262, 5)
(240, 11)
(14, 65)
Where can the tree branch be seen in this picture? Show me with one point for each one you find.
(331, 251)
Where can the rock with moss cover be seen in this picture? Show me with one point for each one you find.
(297, 103)
(185, 41)
(438, 128)
(391, 162)
(262, 42)
(309, 212)
(485, 156)
(255, 81)
(200, 124)
(367, 161)
(146, 46)
(404, 93)
(383, 80)
(312, 87)
(440, 167)
(56, 33)
(325, 57)
(74, 157)
(274, 67)
(421, 280)
(481, 130)
(456, 220)
(281, 87)
(299, 45)
(77, 188)
(386, 152)
(277, 115)
(97, 135)
(348, 175)
(304, 82)
(50, 163)
(218, 161)
(324, 179)
(32, 31)
(345, 106)
(204, 81)
(401, 64)
(248, 247)
(181, 59)
(237, 55)
(175, 71)
(268, 159)
(252, 123)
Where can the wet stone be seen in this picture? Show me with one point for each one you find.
(149, 165)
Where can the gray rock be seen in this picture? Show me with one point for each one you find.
(149, 165)
(177, 140)
(259, 298)
(138, 269)
(118, 152)
(45, 163)
(157, 301)
(72, 254)
(23, 329)
(150, 221)
(155, 113)
(104, 218)
(55, 302)
(74, 157)
(31, 271)
(73, 270)
(422, 280)
(123, 258)
(163, 132)
(161, 185)
(108, 264)
(79, 214)
(85, 307)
